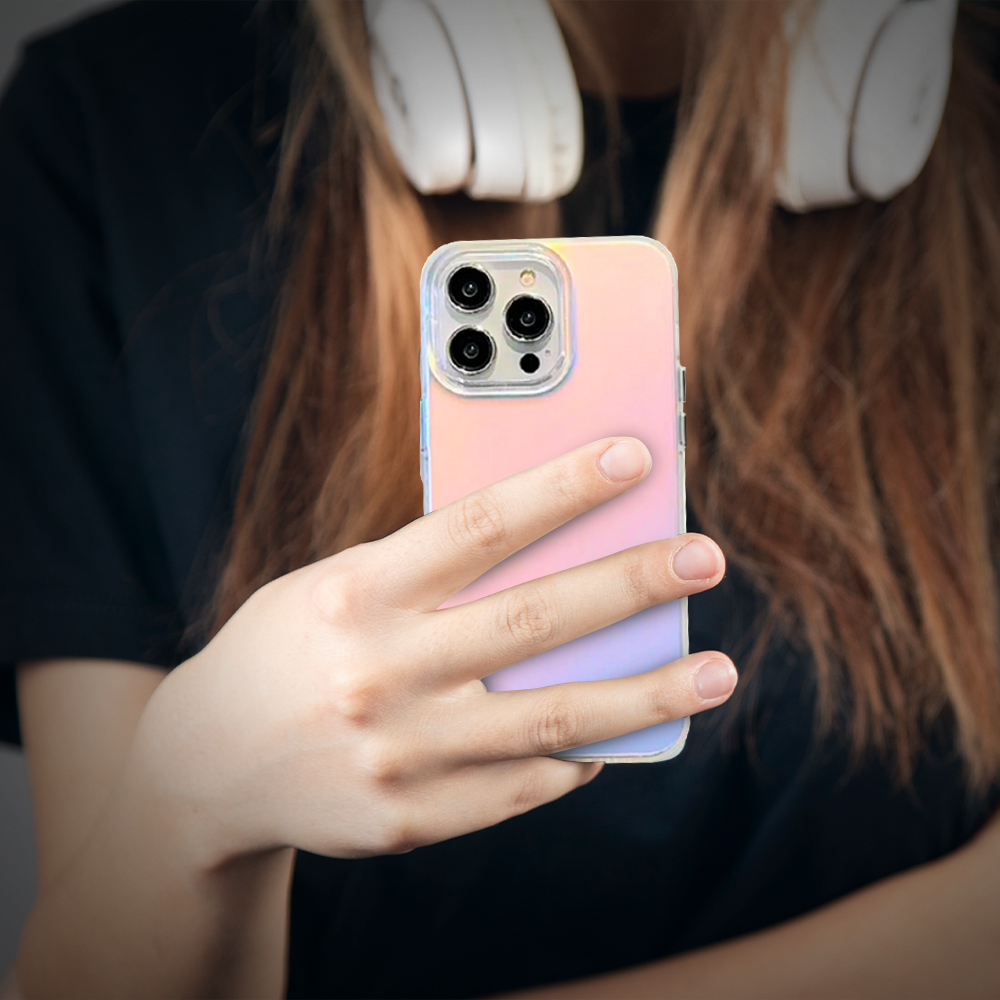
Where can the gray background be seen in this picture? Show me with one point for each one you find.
(19, 19)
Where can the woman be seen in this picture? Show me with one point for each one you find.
(844, 442)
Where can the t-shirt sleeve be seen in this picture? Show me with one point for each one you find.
(84, 571)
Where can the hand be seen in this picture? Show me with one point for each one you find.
(341, 712)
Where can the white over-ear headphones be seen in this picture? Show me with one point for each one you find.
(479, 95)
(867, 82)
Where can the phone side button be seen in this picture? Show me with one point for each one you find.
(684, 384)
(423, 439)
(682, 430)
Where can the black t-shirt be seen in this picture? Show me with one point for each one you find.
(135, 164)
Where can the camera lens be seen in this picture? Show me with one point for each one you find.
(470, 289)
(471, 350)
(528, 318)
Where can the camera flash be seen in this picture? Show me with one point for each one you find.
(527, 278)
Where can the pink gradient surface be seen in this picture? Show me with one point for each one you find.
(623, 381)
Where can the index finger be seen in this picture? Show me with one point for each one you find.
(437, 555)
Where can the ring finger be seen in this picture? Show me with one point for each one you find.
(506, 725)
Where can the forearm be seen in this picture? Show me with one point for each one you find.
(138, 913)
(929, 932)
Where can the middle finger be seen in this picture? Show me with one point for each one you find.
(475, 639)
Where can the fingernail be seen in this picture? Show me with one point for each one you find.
(715, 679)
(623, 460)
(698, 560)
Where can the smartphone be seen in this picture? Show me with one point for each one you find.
(530, 349)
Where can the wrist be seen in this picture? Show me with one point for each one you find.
(181, 785)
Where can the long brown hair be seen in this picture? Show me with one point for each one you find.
(844, 406)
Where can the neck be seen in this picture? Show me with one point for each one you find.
(641, 43)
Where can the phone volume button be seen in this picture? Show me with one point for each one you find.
(682, 435)
(684, 384)
(423, 441)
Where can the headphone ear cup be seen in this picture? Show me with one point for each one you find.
(477, 30)
(419, 91)
(902, 97)
(551, 110)
(826, 63)
(525, 109)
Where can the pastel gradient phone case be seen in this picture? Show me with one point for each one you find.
(609, 366)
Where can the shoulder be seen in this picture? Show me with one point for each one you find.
(152, 73)
(131, 172)
(142, 123)
(135, 48)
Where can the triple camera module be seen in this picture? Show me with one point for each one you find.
(527, 320)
